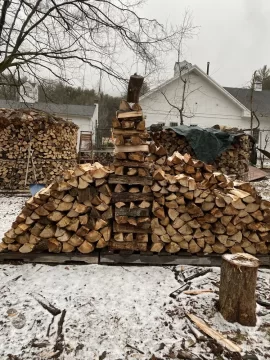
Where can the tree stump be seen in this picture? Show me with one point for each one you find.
(237, 299)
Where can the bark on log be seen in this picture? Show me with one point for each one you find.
(134, 88)
(237, 298)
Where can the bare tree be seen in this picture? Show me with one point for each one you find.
(266, 141)
(252, 110)
(263, 76)
(53, 37)
(179, 101)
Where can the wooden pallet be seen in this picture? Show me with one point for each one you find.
(50, 258)
(116, 257)
(164, 258)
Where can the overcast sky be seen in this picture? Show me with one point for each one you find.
(233, 35)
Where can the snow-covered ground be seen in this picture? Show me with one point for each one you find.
(117, 312)
(10, 207)
(263, 187)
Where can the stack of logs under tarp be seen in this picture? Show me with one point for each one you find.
(200, 210)
(73, 214)
(51, 140)
(233, 161)
(131, 182)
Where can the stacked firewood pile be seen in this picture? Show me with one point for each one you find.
(74, 213)
(202, 210)
(132, 194)
(50, 140)
(172, 142)
(155, 198)
(13, 172)
(103, 157)
(196, 209)
(233, 161)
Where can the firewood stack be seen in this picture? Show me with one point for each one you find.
(73, 213)
(200, 210)
(51, 139)
(104, 158)
(233, 161)
(172, 142)
(132, 194)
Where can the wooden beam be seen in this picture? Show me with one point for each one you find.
(131, 164)
(127, 228)
(130, 114)
(130, 197)
(131, 212)
(130, 180)
(127, 148)
(130, 132)
(127, 245)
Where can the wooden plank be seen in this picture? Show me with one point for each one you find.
(130, 197)
(132, 164)
(160, 259)
(228, 344)
(61, 258)
(129, 148)
(140, 133)
(127, 245)
(131, 212)
(130, 180)
(129, 114)
(255, 174)
(127, 228)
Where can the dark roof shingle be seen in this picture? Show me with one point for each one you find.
(261, 99)
(61, 109)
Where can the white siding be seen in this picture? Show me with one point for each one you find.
(205, 105)
(84, 123)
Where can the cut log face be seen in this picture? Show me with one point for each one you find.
(237, 297)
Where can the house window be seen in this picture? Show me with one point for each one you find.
(173, 124)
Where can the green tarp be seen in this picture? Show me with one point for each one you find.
(208, 143)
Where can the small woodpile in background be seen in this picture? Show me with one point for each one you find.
(132, 194)
(233, 161)
(103, 157)
(200, 210)
(171, 142)
(71, 214)
(52, 140)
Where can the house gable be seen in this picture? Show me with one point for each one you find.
(204, 99)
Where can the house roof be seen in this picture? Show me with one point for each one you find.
(208, 78)
(59, 109)
(261, 99)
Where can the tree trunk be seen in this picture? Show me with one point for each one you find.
(237, 299)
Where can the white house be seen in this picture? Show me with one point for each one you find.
(206, 102)
(259, 102)
(86, 117)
